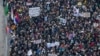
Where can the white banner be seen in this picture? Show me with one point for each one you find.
(53, 44)
(37, 41)
(85, 14)
(29, 53)
(28, 4)
(34, 12)
(51, 54)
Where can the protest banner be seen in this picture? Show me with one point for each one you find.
(28, 4)
(29, 53)
(76, 11)
(85, 14)
(53, 44)
(34, 12)
(37, 41)
(51, 54)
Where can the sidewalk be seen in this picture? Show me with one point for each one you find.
(3, 39)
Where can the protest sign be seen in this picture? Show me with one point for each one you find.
(34, 12)
(51, 54)
(76, 11)
(85, 14)
(37, 41)
(53, 44)
(29, 53)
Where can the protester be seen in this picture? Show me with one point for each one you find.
(63, 28)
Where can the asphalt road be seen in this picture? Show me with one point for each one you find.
(3, 35)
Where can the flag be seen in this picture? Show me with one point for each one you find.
(12, 15)
(6, 10)
(15, 22)
(29, 53)
(17, 18)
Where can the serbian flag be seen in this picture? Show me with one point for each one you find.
(15, 22)
(16, 18)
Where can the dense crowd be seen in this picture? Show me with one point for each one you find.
(59, 30)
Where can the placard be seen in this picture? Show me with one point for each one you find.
(29, 53)
(28, 4)
(85, 14)
(51, 54)
(53, 44)
(34, 12)
(37, 41)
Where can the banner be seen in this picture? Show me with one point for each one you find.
(34, 12)
(85, 14)
(37, 41)
(29, 53)
(53, 44)
(28, 4)
(76, 11)
(52, 54)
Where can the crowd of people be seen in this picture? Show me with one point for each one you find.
(60, 30)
